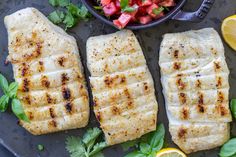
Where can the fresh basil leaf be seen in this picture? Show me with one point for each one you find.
(69, 20)
(158, 135)
(3, 83)
(233, 107)
(18, 110)
(157, 11)
(135, 154)
(145, 148)
(124, 4)
(127, 145)
(56, 16)
(75, 147)
(12, 89)
(159, 145)
(90, 136)
(97, 148)
(228, 149)
(61, 3)
(4, 100)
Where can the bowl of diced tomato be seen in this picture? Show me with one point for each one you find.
(139, 14)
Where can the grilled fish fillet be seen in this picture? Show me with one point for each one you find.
(195, 86)
(47, 66)
(122, 87)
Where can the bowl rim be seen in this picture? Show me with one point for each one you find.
(169, 15)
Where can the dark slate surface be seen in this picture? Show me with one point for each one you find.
(23, 144)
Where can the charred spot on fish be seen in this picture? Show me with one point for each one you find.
(108, 81)
(68, 107)
(40, 66)
(145, 85)
(127, 93)
(182, 132)
(115, 110)
(45, 82)
(180, 84)
(130, 104)
(201, 108)
(64, 78)
(182, 97)
(220, 96)
(200, 99)
(176, 54)
(177, 65)
(52, 123)
(26, 84)
(222, 110)
(179, 75)
(27, 99)
(217, 66)
(66, 93)
(198, 83)
(49, 99)
(185, 113)
(25, 69)
(52, 114)
(30, 115)
(61, 61)
(123, 79)
(219, 82)
(38, 49)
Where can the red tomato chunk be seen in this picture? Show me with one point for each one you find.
(136, 11)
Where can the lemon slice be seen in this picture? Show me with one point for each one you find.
(228, 29)
(170, 152)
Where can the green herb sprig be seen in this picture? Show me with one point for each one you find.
(72, 14)
(88, 146)
(233, 107)
(228, 149)
(147, 145)
(10, 92)
(124, 4)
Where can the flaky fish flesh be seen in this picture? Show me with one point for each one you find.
(47, 67)
(196, 89)
(122, 87)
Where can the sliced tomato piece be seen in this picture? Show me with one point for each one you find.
(105, 2)
(110, 9)
(145, 19)
(123, 20)
(147, 2)
(150, 10)
(117, 24)
(168, 3)
(118, 4)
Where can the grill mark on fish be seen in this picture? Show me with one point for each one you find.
(110, 81)
(26, 84)
(200, 98)
(52, 123)
(198, 84)
(217, 66)
(182, 132)
(115, 110)
(220, 97)
(66, 93)
(49, 99)
(25, 70)
(222, 110)
(176, 54)
(182, 98)
(30, 115)
(69, 107)
(27, 99)
(145, 85)
(61, 61)
(219, 82)
(40, 66)
(185, 113)
(176, 65)
(64, 78)
(45, 82)
(201, 108)
(180, 84)
(52, 114)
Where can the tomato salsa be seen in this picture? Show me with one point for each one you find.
(124, 12)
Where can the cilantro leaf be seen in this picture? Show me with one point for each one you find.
(18, 110)
(56, 16)
(4, 100)
(61, 3)
(90, 136)
(75, 147)
(69, 20)
(3, 83)
(97, 148)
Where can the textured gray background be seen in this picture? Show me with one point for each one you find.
(17, 140)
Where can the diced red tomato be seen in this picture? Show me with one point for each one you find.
(105, 2)
(145, 19)
(150, 10)
(123, 20)
(146, 2)
(156, 1)
(168, 3)
(110, 9)
(118, 4)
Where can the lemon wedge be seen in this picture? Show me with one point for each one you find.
(170, 152)
(229, 31)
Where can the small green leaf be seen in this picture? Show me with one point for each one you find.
(229, 148)
(3, 83)
(157, 11)
(69, 20)
(127, 145)
(12, 90)
(75, 147)
(124, 4)
(158, 135)
(18, 110)
(90, 136)
(128, 9)
(4, 100)
(56, 17)
(97, 148)
(135, 154)
(40, 147)
(159, 145)
(145, 148)
(61, 3)
(233, 107)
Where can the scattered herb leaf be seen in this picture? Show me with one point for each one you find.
(56, 16)
(124, 4)
(3, 83)
(40, 147)
(4, 100)
(86, 146)
(18, 110)
(12, 90)
(157, 11)
(233, 107)
(228, 149)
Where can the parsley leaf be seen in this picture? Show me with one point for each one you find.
(61, 3)
(85, 147)
(18, 110)
(56, 16)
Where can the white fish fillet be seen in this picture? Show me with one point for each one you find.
(122, 87)
(195, 86)
(47, 66)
